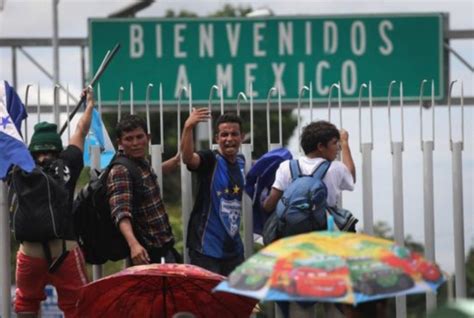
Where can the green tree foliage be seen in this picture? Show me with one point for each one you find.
(230, 11)
(181, 14)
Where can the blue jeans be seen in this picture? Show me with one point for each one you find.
(222, 266)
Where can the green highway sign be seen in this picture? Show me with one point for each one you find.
(286, 52)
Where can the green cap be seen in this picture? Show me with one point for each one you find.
(45, 138)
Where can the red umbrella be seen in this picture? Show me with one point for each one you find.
(161, 290)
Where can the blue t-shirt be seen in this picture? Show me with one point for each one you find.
(213, 228)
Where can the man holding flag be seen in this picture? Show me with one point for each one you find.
(34, 261)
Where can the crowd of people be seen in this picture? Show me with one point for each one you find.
(213, 240)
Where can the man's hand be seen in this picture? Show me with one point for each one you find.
(171, 164)
(344, 136)
(346, 153)
(88, 93)
(139, 255)
(197, 115)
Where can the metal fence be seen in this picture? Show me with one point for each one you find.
(365, 123)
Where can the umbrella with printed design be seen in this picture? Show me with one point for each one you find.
(333, 267)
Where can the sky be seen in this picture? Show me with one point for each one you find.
(73, 15)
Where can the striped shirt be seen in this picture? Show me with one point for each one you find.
(149, 219)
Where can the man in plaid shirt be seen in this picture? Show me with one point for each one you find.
(142, 221)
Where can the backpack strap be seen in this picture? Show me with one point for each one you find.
(295, 169)
(134, 172)
(130, 165)
(321, 170)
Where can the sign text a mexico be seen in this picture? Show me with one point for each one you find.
(284, 52)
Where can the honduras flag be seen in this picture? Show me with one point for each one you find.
(13, 149)
(98, 136)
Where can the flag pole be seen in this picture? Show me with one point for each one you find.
(105, 62)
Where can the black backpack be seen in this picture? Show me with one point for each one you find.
(39, 207)
(98, 236)
(38, 203)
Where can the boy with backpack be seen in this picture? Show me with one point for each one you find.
(321, 142)
(57, 261)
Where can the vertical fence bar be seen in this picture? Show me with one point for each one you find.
(280, 120)
(397, 175)
(458, 210)
(99, 99)
(38, 104)
(398, 223)
(119, 103)
(240, 96)
(458, 221)
(97, 272)
(300, 96)
(338, 86)
(209, 106)
(427, 148)
(83, 66)
(14, 67)
(25, 137)
(132, 108)
(270, 146)
(147, 107)
(221, 98)
(5, 253)
(366, 150)
(247, 214)
(311, 101)
(162, 137)
(155, 150)
(186, 191)
(56, 104)
(157, 163)
(334, 85)
(68, 120)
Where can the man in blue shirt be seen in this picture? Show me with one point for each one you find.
(213, 240)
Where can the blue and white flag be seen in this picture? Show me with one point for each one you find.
(13, 149)
(98, 136)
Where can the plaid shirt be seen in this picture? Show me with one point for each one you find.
(149, 219)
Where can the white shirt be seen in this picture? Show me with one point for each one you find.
(337, 178)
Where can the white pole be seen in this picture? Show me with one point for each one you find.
(55, 44)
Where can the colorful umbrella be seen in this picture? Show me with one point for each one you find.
(161, 290)
(332, 267)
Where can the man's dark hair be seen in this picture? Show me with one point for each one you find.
(316, 133)
(227, 118)
(129, 123)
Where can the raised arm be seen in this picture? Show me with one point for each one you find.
(82, 128)
(190, 158)
(171, 164)
(346, 153)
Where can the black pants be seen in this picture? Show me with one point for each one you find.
(216, 265)
(168, 252)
